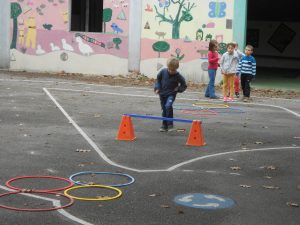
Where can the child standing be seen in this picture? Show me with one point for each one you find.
(247, 70)
(213, 59)
(237, 78)
(229, 63)
(168, 83)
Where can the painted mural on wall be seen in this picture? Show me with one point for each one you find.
(41, 27)
(183, 28)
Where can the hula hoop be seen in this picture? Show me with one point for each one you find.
(210, 105)
(228, 110)
(8, 183)
(205, 113)
(131, 179)
(105, 198)
(194, 108)
(71, 201)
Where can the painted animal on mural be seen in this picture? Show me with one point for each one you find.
(160, 34)
(85, 49)
(116, 28)
(31, 32)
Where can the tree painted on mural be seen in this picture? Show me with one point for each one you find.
(222, 48)
(117, 42)
(160, 46)
(15, 11)
(107, 14)
(183, 14)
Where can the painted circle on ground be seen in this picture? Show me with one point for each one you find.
(204, 201)
(130, 178)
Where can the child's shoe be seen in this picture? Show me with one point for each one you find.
(170, 127)
(163, 129)
(246, 99)
(237, 95)
(225, 99)
(230, 99)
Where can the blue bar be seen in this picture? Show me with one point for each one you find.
(158, 118)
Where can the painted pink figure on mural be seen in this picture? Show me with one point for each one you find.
(30, 2)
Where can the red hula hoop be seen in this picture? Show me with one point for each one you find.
(8, 183)
(36, 209)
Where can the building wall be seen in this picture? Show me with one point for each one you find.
(184, 29)
(4, 31)
(44, 43)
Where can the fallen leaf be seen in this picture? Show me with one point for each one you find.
(270, 187)
(245, 186)
(155, 195)
(165, 206)
(292, 204)
(258, 142)
(90, 183)
(180, 130)
(270, 167)
(235, 168)
(102, 197)
(83, 150)
(180, 211)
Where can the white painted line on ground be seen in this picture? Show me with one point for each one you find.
(228, 153)
(90, 141)
(76, 83)
(56, 203)
(187, 99)
(105, 158)
(118, 86)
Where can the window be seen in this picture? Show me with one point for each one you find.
(86, 15)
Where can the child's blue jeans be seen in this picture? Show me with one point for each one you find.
(166, 103)
(210, 90)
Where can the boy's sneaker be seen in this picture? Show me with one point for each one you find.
(163, 129)
(237, 95)
(246, 99)
(170, 127)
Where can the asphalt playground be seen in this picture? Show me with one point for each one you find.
(248, 173)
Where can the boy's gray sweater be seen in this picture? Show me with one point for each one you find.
(229, 63)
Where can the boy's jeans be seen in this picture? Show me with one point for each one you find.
(167, 109)
(210, 90)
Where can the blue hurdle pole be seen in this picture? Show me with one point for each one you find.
(158, 118)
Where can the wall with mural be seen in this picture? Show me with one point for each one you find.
(41, 40)
(183, 29)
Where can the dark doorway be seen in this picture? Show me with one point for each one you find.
(87, 15)
(273, 28)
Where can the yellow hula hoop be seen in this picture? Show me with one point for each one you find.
(210, 105)
(105, 198)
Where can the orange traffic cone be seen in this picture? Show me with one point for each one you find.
(126, 131)
(196, 135)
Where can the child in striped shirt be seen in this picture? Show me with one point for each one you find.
(247, 70)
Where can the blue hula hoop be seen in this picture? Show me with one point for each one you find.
(131, 179)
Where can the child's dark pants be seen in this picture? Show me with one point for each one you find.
(245, 82)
